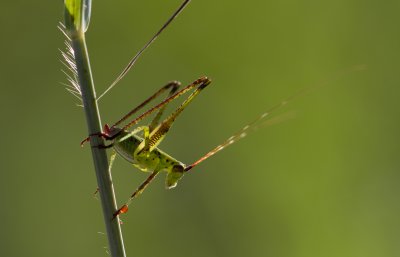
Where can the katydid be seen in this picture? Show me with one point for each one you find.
(143, 152)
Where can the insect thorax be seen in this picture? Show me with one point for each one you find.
(127, 146)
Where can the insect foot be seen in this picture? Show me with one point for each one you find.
(122, 210)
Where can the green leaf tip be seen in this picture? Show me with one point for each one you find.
(77, 15)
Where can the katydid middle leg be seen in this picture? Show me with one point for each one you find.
(156, 119)
(138, 191)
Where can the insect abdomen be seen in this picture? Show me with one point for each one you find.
(126, 146)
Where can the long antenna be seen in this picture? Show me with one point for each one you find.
(136, 57)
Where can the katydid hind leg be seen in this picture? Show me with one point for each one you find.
(158, 134)
(171, 86)
(174, 87)
(197, 83)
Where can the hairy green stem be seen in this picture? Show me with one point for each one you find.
(104, 183)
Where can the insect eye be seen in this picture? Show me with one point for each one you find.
(174, 176)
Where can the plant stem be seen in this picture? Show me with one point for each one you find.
(103, 175)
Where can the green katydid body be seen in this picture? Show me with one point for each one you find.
(129, 146)
(144, 153)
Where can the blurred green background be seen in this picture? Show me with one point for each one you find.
(323, 184)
